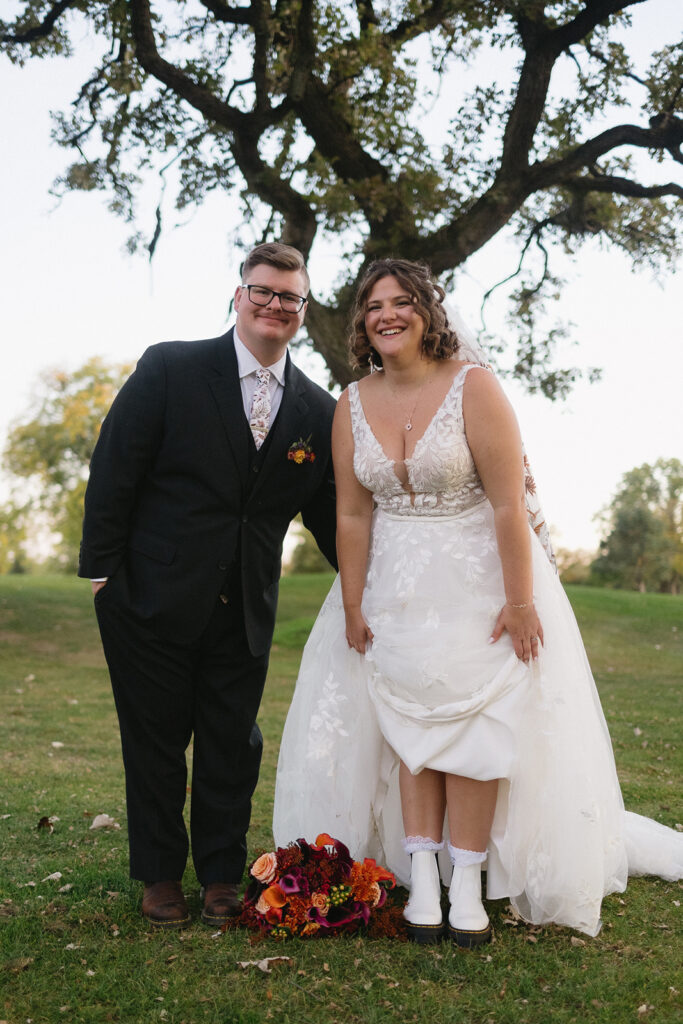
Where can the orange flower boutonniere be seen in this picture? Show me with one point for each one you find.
(301, 451)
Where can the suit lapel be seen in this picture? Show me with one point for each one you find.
(227, 394)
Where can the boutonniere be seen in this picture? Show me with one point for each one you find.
(301, 451)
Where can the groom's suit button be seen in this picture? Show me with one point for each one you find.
(254, 469)
(222, 566)
(245, 519)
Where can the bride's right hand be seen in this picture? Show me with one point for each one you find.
(358, 633)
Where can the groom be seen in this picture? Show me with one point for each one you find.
(208, 452)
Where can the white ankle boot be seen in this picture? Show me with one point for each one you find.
(468, 923)
(422, 912)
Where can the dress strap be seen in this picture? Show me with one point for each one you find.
(357, 415)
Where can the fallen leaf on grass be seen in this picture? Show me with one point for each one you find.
(104, 821)
(72, 945)
(57, 744)
(65, 888)
(644, 1008)
(54, 877)
(577, 942)
(19, 964)
(3, 817)
(48, 823)
(263, 965)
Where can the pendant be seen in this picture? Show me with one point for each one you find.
(409, 426)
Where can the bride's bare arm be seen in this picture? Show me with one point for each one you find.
(494, 440)
(354, 516)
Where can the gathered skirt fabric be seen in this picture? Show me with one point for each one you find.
(434, 693)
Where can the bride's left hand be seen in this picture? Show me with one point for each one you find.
(525, 629)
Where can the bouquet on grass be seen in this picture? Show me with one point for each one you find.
(316, 889)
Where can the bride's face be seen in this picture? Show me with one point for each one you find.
(393, 325)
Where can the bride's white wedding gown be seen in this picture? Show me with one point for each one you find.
(433, 691)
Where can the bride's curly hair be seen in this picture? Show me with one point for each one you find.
(438, 342)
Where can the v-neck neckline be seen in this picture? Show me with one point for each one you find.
(411, 458)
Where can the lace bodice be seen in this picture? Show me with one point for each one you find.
(442, 476)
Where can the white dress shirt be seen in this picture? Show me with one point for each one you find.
(247, 365)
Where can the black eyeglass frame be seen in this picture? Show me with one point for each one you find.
(274, 294)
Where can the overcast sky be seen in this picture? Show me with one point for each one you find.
(69, 292)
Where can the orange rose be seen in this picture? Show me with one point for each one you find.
(321, 903)
(264, 867)
(261, 905)
(299, 456)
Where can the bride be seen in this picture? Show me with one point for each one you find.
(444, 697)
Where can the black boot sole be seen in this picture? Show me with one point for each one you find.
(470, 939)
(425, 934)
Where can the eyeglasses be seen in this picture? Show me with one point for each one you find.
(260, 296)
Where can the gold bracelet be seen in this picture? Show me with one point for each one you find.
(526, 605)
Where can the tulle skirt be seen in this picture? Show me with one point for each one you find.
(433, 692)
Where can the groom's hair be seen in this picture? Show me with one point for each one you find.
(279, 255)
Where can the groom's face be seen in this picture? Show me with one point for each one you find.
(266, 330)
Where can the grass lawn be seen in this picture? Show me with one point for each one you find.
(75, 949)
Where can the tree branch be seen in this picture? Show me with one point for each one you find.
(224, 12)
(666, 133)
(594, 12)
(366, 14)
(245, 129)
(542, 46)
(30, 35)
(432, 16)
(622, 186)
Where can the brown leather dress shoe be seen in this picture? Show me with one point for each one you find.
(221, 902)
(164, 906)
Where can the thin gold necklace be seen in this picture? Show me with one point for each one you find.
(408, 425)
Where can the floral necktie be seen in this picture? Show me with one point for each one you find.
(259, 418)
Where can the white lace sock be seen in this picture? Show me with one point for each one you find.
(463, 858)
(415, 844)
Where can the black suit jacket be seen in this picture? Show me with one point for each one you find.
(178, 501)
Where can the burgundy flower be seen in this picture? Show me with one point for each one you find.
(294, 881)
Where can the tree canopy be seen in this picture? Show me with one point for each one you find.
(643, 544)
(419, 128)
(49, 449)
